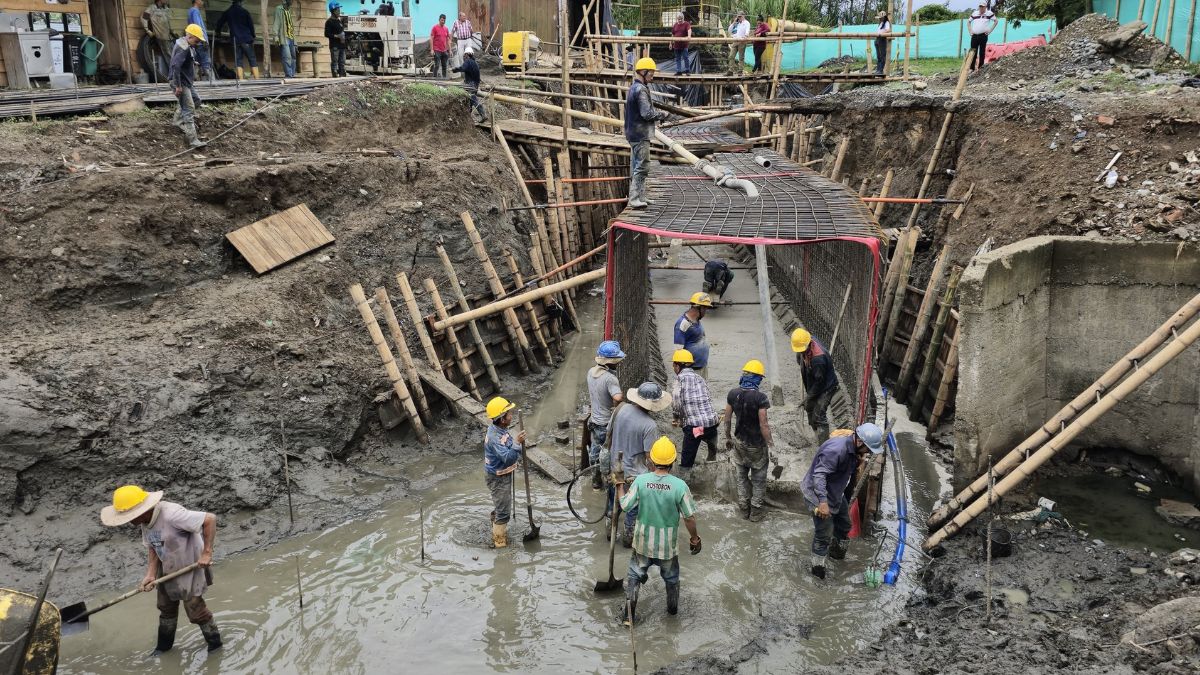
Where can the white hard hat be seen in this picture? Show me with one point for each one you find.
(469, 50)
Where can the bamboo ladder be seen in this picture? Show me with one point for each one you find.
(389, 363)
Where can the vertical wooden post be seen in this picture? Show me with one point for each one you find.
(1154, 19)
(534, 324)
(836, 174)
(516, 333)
(948, 376)
(1141, 10)
(571, 215)
(485, 354)
(553, 214)
(924, 314)
(414, 314)
(935, 341)
(410, 368)
(1170, 22)
(777, 62)
(895, 302)
(962, 23)
(1191, 32)
(389, 363)
(797, 137)
(464, 366)
(862, 187)
(266, 38)
(564, 52)
(883, 192)
(941, 140)
(535, 257)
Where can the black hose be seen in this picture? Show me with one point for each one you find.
(572, 506)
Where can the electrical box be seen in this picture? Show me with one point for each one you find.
(379, 44)
(26, 56)
(518, 49)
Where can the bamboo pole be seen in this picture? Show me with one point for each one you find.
(547, 257)
(535, 258)
(573, 220)
(389, 363)
(516, 169)
(889, 278)
(924, 314)
(1077, 406)
(896, 302)
(1191, 32)
(410, 368)
(836, 174)
(464, 367)
(837, 325)
(489, 365)
(266, 38)
(1170, 22)
(862, 187)
(948, 377)
(777, 62)
(937, 148)
(1154, 20)
(414, 314)
(553, 215)
(788, 36)
(520, 299)
(1104, 404)
(935, 341)
(883, 192)
(520, 342)
(564, 54)
(1141, 10)
(534, 324)
(797, 135)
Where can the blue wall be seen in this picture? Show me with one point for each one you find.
(424, 14)
(1179, 22)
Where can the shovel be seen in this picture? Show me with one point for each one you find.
(613, 582)
(75, 617)
(534, 529)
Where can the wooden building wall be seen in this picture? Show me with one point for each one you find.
(79, 7)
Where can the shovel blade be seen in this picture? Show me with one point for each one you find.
(613, 584)
(69, 616)
(532, 534)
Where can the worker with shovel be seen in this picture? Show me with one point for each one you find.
(820, 380)
(824, 489)
(750, 442)
(640, 116)
(175, 538)
(604, 392)
(659, 499)
(631, 434)
(500, 454)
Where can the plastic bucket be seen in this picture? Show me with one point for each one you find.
(1001, 541)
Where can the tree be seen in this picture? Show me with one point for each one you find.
(935, 13)
(1063, 11)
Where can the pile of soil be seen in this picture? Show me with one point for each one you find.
(141, 348)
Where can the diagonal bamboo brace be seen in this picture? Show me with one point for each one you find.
(389, 363)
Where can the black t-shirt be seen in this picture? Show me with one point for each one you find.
(746, 403)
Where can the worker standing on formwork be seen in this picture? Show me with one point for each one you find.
(693, 406)
(631, 434)
(640, 117)
(689, 334)
(717, 277)
(750, 442)
(604, 392)
(182, 77)
(500, 455)
(820, 380)
(659, 499)
(175, 537)
(824, 489)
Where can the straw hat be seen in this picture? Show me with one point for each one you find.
(129, 502)
(881, 15)
(649, 396)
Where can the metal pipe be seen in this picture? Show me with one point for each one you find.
(764, 162)
(724, 178)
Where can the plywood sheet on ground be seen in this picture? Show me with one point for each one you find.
(279, 238)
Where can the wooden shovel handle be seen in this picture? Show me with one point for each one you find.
(166, 577)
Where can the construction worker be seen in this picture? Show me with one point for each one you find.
(824, 489)
(750, 442)
(604, 392)
(439, 44)
(156, 21)
(631, 434)
(241, 30)
(500, 455)
(283, 33)
(820, 380)
(717, 277)
(462, 31)
(689, 334)
(640, 117)
(659, 499)
(335, 31)
(693, 407)
(175, 537)
(470, 71)
(182, 77)
(195, 17)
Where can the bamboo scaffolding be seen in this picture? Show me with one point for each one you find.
(883, 192)
(948, 376)
(534, 324)
(535, 258)
(941, 140)
(452, 275)
(862, 187)
(572, 219)
(553, 215)
(515, 332)
(777, 62)
(1077, 406)
(414, 314)
(464, 367)
(924, 314)
(406, 359)
(389, 363)
(1104, 404)
(896, 301)
(836, 174)
(935, 341)
(521, 298)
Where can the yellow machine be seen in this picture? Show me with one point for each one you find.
(519, 49)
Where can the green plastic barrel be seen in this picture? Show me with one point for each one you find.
(90, 55)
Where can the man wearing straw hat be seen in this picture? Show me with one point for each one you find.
(631, 434)
(175, 538)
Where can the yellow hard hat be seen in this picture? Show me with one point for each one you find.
(662, 452)
(701, 299)
(754, 366)
(128, 496)
(682, 356)
(498, 406)
(646, 63)
(800, 340)
(128, 503)
(195, 31)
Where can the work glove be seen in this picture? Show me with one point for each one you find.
(694, 546)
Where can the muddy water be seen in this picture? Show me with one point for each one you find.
(371, 605)
(1110, 508)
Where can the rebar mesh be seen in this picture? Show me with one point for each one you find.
(630, 318)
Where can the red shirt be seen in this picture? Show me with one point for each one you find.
(680, 29)
(439, 38)
(762, 30)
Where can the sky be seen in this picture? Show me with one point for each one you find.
(955, 5)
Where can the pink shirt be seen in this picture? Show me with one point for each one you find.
(439, 38)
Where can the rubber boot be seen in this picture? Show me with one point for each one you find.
(254, 72)
(597, 480)
(166, 636)
(499, 535)
(177, 119)
(757, 513)
(712, 454)
(673, 599)
(818, 566)
(241, 73)
(837, 550)
(211, 635)
(189, 132)
(744, 507)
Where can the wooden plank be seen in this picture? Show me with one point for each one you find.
(280, 238)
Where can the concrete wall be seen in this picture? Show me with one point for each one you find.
(1043, 318)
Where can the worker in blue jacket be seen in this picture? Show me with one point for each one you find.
(241, 29)
(500, 454)
(824, 489)
(196, 17)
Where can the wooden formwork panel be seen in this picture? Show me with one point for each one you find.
(280, 238)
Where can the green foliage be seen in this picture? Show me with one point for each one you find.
(936, 13)
(1064, 11)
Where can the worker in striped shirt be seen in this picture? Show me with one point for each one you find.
(693, 408)
(661, 499)
(461, 31)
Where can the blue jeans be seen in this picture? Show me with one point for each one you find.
(337, 61)
(245, 49)
(202, 58)
(639, 566)
(639, 169)
(836, 526)
(287, 54)
(681, 60)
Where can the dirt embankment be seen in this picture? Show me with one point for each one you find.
(141, 348)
